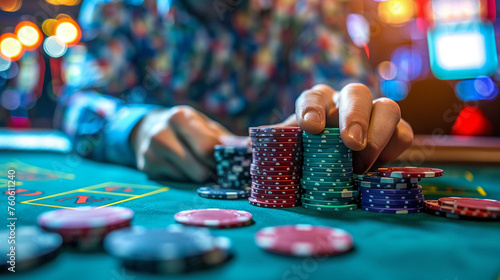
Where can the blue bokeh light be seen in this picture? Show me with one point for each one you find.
(408, 62)
(394, 89)
(480, 88)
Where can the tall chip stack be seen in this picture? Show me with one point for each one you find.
(233, 176)
(394, 190)
(275, 168)
(327, 177)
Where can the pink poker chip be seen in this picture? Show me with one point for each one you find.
(486, 205)
(216, 218)
(410, 172)
(85, 218)
(304, 240)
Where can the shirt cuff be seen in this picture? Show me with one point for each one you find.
(117, 133)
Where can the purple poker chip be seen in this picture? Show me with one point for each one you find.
(367, 184)
(393, 196)
(375, 178)
(390, 203)
(414, 191)
(400, 211)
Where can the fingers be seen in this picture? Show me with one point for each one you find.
(385, 117)
(315, 109)
(158, 168)
(401, 140)
(355, 111)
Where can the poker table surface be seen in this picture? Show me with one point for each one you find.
(386, 246)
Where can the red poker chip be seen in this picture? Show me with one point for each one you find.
(473, 204)
(275, 139)
(276, 154)
(276, 163)
(304, 240)
(214, 218)
(274, 129)
(276, 183)
(277, 149)
(275, 191)
(275, 168)
(276, 177)
(275, 200)
(436, 206)
(410, 172)
(276, 187)
(276, 134)
(276, 144)
(85, 221)
(254, 202)
(277, 159)
(274, 173)
(275, 196)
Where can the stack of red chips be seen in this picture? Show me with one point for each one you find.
(276, 166)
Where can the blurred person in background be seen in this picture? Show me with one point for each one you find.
(149, 68)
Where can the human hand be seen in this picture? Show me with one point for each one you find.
(177, 144)
(373, 129)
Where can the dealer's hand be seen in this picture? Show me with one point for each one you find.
(373, 129)
(177, 144)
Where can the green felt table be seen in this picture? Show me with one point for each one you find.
(418, 246)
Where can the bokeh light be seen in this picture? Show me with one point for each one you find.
(451, 10)
(10, 5)
(408, 62)
(64, 2)
(10, 47)
(394, 89)
(53, 47)
(358, 29)
(481, 88)
(48, 26)
(396, 11)
(387, 70)
(29, 35)
(68, 31)
(10, 99)
(472, 122)
(4, 64)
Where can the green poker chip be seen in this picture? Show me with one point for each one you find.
(326, 184)
(327, 160)
(328, 170)
(326, 174)
(329, 141)
(324, 146)
(327, 165)
(327, 151)
(334, 199)
(327, 155)
(328, 179)
(337, 208)
(332, 194)
(328, 189)
(327, 202)
(322, 136)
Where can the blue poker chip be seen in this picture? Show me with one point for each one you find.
(34, 247)
(173, 249)
(374, 185)
(392, 202)
(375, 178)
(414, 191)
(217, 192)
(393, 196)
(401, 211)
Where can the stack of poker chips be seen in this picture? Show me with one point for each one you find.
(275, 168)
(233, 173)
(233, 165)
(394, 190)
(85, 228)
(173, 249)
(327, 178)
(464, 208)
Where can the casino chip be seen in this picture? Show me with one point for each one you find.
(464, 208)
(233, 166)
(327, 172)
(84, 228)
(276, 166)
(215, 191)
(304, 240)
(215, 218)
(394, 190)
(34, 247)
(174, 249)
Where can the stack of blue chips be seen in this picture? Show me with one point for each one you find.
(389, 195)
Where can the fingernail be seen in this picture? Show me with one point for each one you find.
(313, 117)
(355, 132)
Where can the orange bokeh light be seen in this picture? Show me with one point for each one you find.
(29, 35)
(10, 5)
(10, 47)
(67, 31)
(64, 2)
